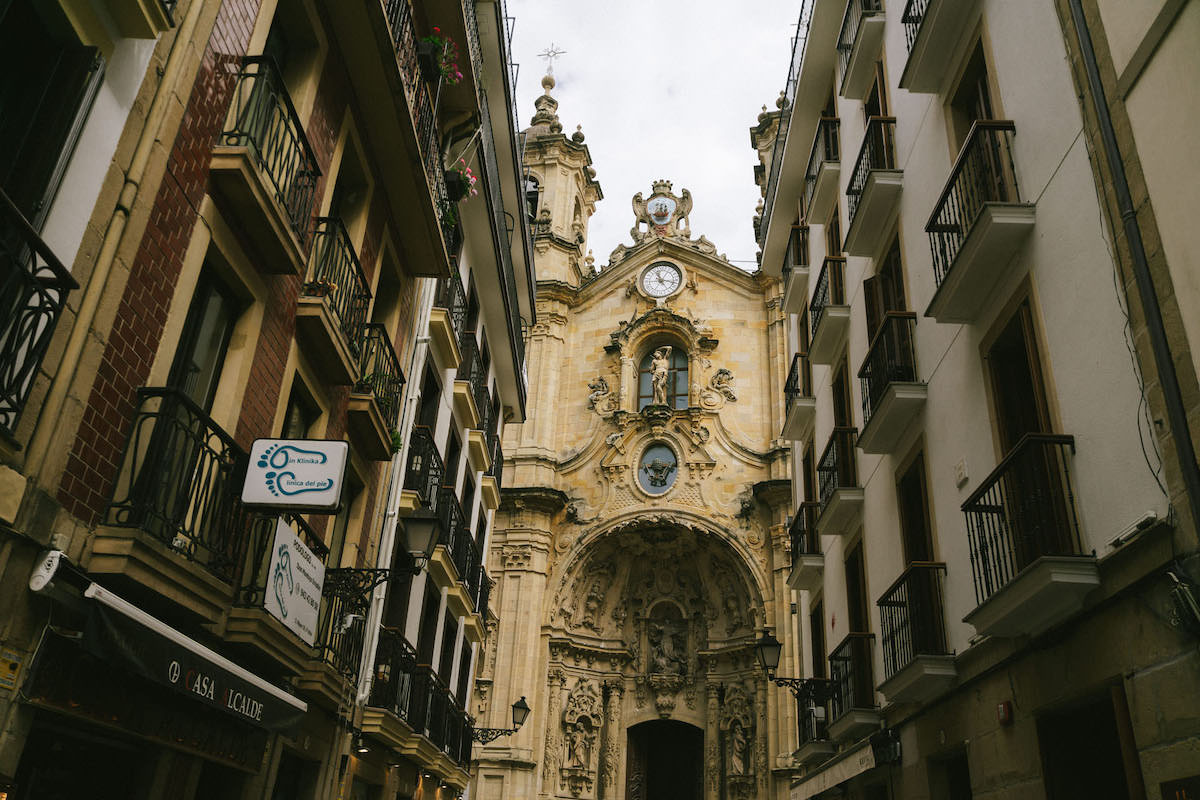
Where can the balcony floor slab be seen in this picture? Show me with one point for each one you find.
(367, 427)
(806, 572)
(921, 681)
(854, 724)
(841, 514)
(825, 191)
(877, 206)
(860, 70)
(815, 752)
(247, 195)
(830, 335)
(900, 405)
(795, 292)
(799, 420)
(929, 59)
(322, 342)
(442, 341)
(1042, 595)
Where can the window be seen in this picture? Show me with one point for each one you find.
(352, 496)
(816, 629)
(856, 591)
(833, 233)
(841, 398)
(532, 190)
(884, 291)
(464, 676)
(453, 456)
(809, 469)
(1016, 379)
(395, 610)
(427, 634)
(449, 639)
(914, 512)
(301, 413)
(971, 100)
(676, 378)
(468, 495)
(431, 395)
(950, 778)
(200, 356)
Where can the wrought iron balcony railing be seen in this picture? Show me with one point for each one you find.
(457, 539)
(890, 359)
(33, 292)
(452, 297)
(912, 19)
(395, 669)
(180, 478)
(838, 468)
(811, 720)
(265, 121)
(346, 597)
(433, 714)
(911, 617)
(1023, 510)
(803, 530)
(471, 370)
(255, 577)
(336, 275)
(983, 173)
(379, 372)
(496, 468)
(851, 673)
(796, 254)
(827, 146)
(855, 11)
(799, 381)
(830, 291)
(485, 594)
(878, 151)
(424, 468)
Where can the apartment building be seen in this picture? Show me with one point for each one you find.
(993, 549)
(293, 219)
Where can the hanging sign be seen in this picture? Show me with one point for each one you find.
(294, 582)
(295, 474)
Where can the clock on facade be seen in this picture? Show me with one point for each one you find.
(661, 280)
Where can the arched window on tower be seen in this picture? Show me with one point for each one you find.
(532, 189)
(677, 378)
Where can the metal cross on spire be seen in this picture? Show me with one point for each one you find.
(550, 53)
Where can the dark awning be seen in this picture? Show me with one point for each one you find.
(120, 632)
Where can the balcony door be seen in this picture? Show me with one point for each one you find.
(200, 356)
(1016, 378)
(884, 291)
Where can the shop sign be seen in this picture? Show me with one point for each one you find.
(294, 581)
(854, 763)
(302, 474)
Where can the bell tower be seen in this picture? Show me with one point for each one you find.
(561, 193)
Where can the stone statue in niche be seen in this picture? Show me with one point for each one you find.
(579, 745)
(581, 723)
(660, 366)
(739, 748)
(667, 638)
(592, 604)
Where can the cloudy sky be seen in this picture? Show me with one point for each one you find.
(662, 90)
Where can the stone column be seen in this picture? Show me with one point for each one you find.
(712, 746)
(762, 766)
(628, 395)
(610, 765)
(556, 681)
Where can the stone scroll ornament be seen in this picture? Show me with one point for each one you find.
(719, 390)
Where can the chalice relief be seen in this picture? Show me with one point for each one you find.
(660, 366)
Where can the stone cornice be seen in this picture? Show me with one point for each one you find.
(536, 498)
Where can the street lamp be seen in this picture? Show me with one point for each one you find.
(768, 649)
(420, 533)
(520, 712)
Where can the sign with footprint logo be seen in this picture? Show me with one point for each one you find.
(304, 474)
(294, 581)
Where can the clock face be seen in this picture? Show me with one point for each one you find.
(661, 280)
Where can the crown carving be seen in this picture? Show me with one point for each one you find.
(661, 186)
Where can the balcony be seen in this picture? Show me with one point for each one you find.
(479, 455)
(799, 405)
(32, 297)
(379, 41)
(808, 559)
(470, 385)
(331, 677)
(435, 716)
(978, 224)
(873, 196)
(423, 471)
(1027, 556)
(249, 625)
(490, 485)
(837, 480)
(815, 747)
(446, 320)
(917, 662)
(142, 19)
(795, 270)
(174, 526)
(386, 714)
(859, 45)
(374, 404)
(852, 704)
(892, 397)
(824, 171)
(932, 29)
(828, 312)
(264, 169)
(456, 561)
(332, 307)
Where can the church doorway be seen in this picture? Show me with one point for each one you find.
(666, 761)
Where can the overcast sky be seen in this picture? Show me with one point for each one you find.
(662, 90)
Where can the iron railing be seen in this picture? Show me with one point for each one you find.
(878, 151)
(830, 291)
(856, 11)
(433, 714)
(395, 668)
(799, 45)
(471, 370)
(803, 531)
(485, 595)
(837, 468)
(424, 468)
(983, 173)
(890, 359)
(799, 381)
(452, 297)
(336, 275)
(811, 722)
(827, 146)
(796, 254)
(180, 478)
(457, 539)
(33, 294)
(379, 372)
(496, 468)
(1023, 510)
(851, 674)
(256, 561)
(346, 596)
(911, 617)
(264, 120)
(912, 19)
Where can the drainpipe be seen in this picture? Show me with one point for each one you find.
(1165, 365)
(90, 302)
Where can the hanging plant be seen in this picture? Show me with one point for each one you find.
(438, 55)
(318, 288)
(460, 181)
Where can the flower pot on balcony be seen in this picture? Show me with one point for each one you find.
(456, 185)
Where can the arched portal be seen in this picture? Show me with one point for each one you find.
(665, 759)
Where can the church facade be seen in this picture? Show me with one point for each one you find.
(639, 547)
